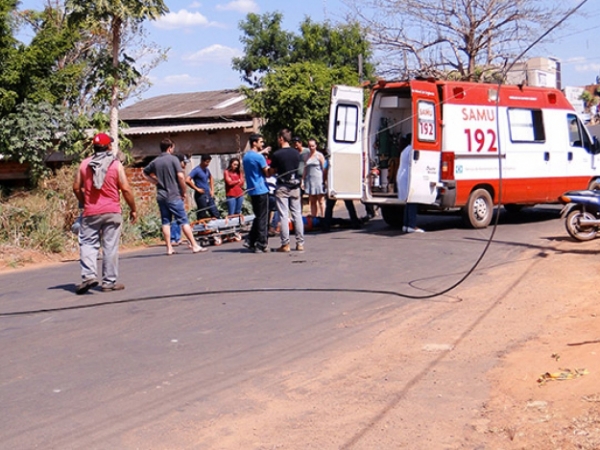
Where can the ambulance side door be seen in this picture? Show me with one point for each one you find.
(426, 142)
(344, 140)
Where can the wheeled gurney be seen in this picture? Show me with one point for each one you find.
(216, 231)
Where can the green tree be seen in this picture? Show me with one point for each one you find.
(295, 72)
(266, 44)
(334, 46)
(28, 134)
(297, 97)
(113, 17)
(9, 61)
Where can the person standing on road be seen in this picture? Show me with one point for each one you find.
(166, 173)
(201, 181)
(98, 184)
(256, 170)
(285, 163)
(234, 191)
(175, 227)
(312, 180)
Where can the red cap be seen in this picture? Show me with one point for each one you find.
(102, 140)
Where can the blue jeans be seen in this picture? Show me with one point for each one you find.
(172, 210)
(206, 207)
(234, 205)
(175, 232)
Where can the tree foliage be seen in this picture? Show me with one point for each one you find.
(9, 61)
(469, 38)
(297, 97)
(267, 46)
(291, 75)
(29, 134)
(110, 18)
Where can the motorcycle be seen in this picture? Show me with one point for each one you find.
(581, 213)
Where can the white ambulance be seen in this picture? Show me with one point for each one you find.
(461, 139)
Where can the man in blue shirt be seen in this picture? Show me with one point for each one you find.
(255, 172)
(201, 181)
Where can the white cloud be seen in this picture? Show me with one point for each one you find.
(182, 19)
(195, 5)
(589, 67)
(241, 6)
(181, 80)
(215, 54)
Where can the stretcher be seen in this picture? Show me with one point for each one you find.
(216, 231)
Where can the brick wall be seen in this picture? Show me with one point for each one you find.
(11, 170)
(144, 191)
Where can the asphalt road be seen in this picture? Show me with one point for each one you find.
(191, 332)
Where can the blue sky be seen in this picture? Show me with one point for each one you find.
(203, 36)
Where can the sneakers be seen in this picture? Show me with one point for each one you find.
(283, 249)
(248, 245)
(86, 286)
(260, 250)
(113, 287)
(412, 230)
(299, 247)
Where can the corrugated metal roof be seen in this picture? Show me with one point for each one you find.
(191, 105)
(136, 131)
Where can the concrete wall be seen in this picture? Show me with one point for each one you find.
(192, 143)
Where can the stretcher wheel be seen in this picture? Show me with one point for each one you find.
(217, 240)
(236, 237)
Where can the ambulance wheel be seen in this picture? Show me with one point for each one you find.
(217, 240)
(393, 215)
(594, 185)
(477, 213)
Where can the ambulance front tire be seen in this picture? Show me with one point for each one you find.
(393, 215)
(477, 213)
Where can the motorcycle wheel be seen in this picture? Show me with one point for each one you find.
(575, 231)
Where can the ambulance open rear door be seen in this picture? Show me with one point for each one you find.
(345, 143)
(426, 143)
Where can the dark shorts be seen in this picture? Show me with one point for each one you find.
(172, 210)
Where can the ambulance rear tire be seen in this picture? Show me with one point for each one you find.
(594, 185)
(393, 215)
(477, 213)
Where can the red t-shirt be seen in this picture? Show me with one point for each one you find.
(233, 187)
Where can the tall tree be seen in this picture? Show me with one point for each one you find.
(469, 39)
(9, 61)
(114, 16)
(267, 46)
(297, 97)
(295, 72)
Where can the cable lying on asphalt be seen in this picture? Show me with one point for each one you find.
(221, 292)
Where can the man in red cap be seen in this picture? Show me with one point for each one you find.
(98, 184)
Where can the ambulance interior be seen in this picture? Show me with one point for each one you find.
(390, 132)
